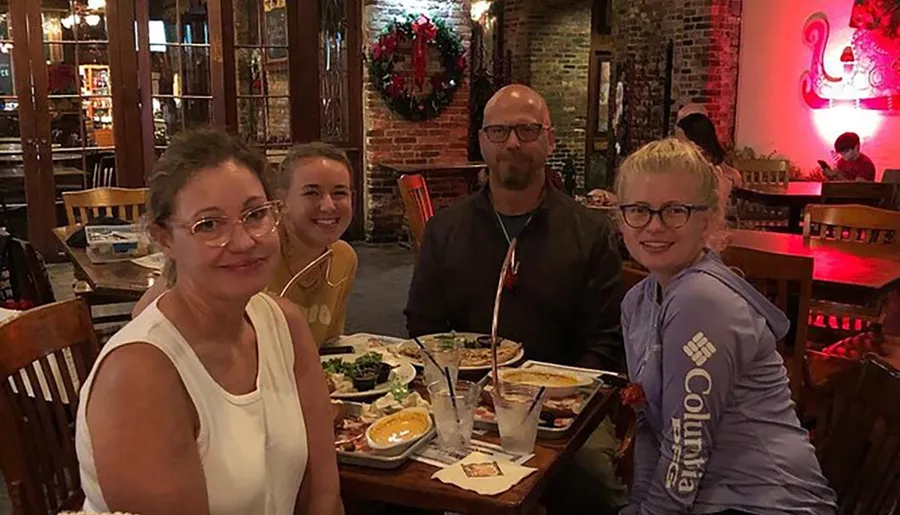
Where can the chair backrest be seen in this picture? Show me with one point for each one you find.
(764, 171)
(859, 448)
(891, 176)
(877, 194)
(417, 203)
(104, 175)
(45, 356)
(852, 223)
(632, 273)
(123, 203)
(787, 282)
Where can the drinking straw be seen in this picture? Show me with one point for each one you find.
(450, 389)
(495, 321)
(425, 351)
(534, 402)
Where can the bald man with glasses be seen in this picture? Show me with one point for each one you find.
(563, 302)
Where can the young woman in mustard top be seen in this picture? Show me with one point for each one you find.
(313, 182)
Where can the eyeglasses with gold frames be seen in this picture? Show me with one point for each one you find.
(217, 231)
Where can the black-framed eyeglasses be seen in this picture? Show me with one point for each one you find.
(217, 231)
(673, 216)
(526, 132)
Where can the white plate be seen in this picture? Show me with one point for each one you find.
(424, 339)
(403, 372)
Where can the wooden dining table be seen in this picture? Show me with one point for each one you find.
(795, 196)
(120, 279)
(411, 484)
(843, 272)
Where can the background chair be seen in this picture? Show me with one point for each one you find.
(417, 203)
(84, 206)
(45, 356)
(787, 282)
(859, 445)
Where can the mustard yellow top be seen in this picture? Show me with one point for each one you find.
(322, 293)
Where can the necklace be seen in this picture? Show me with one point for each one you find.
(509, 282)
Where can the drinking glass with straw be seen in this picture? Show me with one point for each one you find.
(518, 411)
(454, 410)
(440, 353)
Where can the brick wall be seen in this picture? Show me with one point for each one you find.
(391, 139)
(706, 37)
(560, 56)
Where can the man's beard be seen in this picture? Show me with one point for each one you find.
(517, 177)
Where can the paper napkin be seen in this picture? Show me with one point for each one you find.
(483, 474)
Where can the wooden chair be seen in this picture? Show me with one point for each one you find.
(82, 207)
(853, 225)
(761, 172)
(632, 273)
(417, 203)
(764, 171)
(875, 194)
(859, 445)
(46, 354)
(787, 282)
(123, 203)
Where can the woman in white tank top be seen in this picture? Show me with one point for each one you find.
(200, 405)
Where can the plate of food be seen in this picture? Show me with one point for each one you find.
(558, 383)
(354, 422)
(476, 350)
(359, 375)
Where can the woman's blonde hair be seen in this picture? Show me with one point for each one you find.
(674, 155)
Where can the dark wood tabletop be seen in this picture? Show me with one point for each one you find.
(840, 270)
(120, 279)
(795, 196)
(411, 484)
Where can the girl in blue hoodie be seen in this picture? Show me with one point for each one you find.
(718, 433)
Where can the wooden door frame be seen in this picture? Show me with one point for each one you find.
(40, 185)
(126, 93)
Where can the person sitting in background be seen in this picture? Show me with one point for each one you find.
(700, 130)
(717, 431)
(313, 182)
(853, 165)
(212, 400)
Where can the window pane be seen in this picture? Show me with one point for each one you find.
(98, 121)
(279, 121)
(246, 22)
(252, 120)
(249, 71)
(333, 71)
(66, 123)
(195, 62)
(275, 29)
(164, 72)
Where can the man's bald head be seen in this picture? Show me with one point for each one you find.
(517, 162)
(517, 98)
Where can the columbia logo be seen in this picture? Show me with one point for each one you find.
(699, 349)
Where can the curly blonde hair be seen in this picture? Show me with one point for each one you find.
(671, 155)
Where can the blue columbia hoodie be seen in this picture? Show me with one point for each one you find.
(718, 430)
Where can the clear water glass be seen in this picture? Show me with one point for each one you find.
(516, 418)
(447, 353)
(454, 420)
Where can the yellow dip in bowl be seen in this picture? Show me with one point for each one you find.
(394, 433)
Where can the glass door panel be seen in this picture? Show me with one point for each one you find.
(263, 74)
(333, 73)
(12, 159)
(180, 73)
(76, 50)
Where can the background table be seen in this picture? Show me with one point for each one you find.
(795, 196)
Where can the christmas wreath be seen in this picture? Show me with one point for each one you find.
(408, 94)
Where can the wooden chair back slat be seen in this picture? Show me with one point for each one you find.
(852, 223)
(764, 171)
(45, 355)
(417, 203)
(781, 278)
(123, 203)
(859, 447)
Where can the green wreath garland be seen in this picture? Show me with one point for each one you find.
(400, 96)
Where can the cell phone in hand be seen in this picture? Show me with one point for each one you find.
(824, 165)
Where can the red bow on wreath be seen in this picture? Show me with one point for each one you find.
(424, 32)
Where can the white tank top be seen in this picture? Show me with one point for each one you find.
(252, 447)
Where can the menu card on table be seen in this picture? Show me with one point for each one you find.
(433, 455)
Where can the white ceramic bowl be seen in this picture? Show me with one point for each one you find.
(392, 434)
